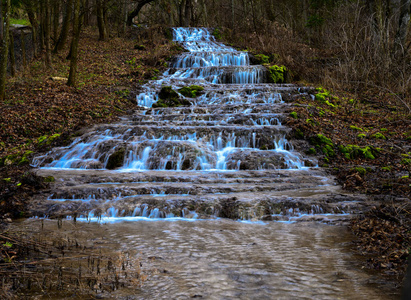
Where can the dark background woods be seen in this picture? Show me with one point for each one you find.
(342, 44)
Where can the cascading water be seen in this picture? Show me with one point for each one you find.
(185, 144)
(226, 156)
(228, 143)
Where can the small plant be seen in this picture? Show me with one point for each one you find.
(8, 245)
(386, 169)
(361, 136)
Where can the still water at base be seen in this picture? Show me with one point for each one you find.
(225, 259)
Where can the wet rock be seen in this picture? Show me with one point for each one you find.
(116, 159)
(169, 98)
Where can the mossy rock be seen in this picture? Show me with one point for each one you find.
(116, 159)
(167, 92)
(169, 98)
(277, 74)
(191, 91)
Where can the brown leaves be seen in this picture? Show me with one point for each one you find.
(384, 233)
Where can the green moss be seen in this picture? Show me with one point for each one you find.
(191, 91)
(139, 47)
(324, 144)
(23, 22)
(277, 74)
(310, 121)
(311, 151)
(405, 177)
(49, 179)
(298, 133)
(42, 139)
(356, 128)
(386, 169)
(379, 135)
(361, 136)
(406, 161)
(52, 138)
(23, 161)
(360, 170)
(169, 98)
(354, 151)
(262, 59)
(294, 115)
(383, 129)
(8, 180)
(217, 33)
(330, 104)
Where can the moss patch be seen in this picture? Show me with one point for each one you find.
(277, 74)
(354, 151)
(191, 91)
(324, 144)
(169, 98)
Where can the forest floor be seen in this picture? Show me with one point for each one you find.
(364, 141)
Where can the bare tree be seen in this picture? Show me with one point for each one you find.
(65, 26)
(4, 44)
(74, 45)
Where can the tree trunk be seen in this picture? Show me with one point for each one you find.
(87, 13)
(4, 45)
(34, 28)
(100, 20)
(65, 27)
(47, 32)
(135, 12)
(187, 13)
(12, 56)
(74, 44)
(56, 19)
(23, 48)
(403, 27)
